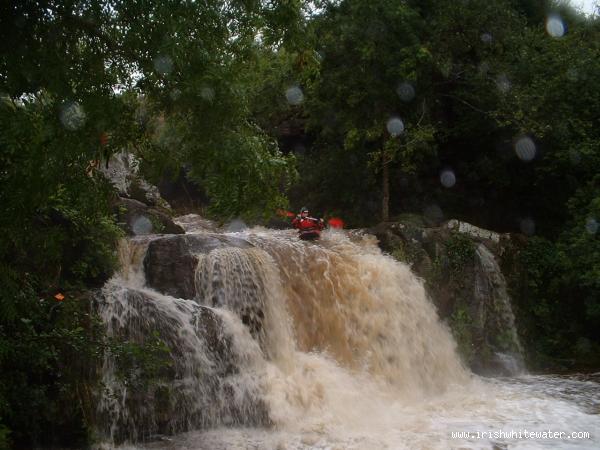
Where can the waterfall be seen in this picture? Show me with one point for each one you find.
(278, 330)
(364, 309)
(495, 311)
(212, 372)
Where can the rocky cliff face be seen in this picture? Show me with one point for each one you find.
(139, 207)
(171, 261)
(460, 264)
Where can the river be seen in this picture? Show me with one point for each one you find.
(344, 351)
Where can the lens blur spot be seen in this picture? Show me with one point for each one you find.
(405, 91)
(447, 178)
(555, 26)
(395, 126)
(72, 116)
(163, 65)
(294, 95)
(527, 226)
(525, 148)
(142, 225)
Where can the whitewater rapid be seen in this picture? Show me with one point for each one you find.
(349, 354)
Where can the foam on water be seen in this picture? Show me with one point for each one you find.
(344, 350)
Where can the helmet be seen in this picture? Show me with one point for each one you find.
(304, 209)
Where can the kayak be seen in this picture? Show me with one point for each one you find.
(310, 235)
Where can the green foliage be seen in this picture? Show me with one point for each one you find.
(399, 254)
(406, 253)
(4, 437)
(579, 248)
(368, 49)
(329, 181)
(485, 74)
(461, 326)
(460, 250)
(79, 81)
(57, 216)
(436, 274)
(157, 225)
(141, 365)
(559, 291)
(247, 178)
(539, 300)
(58, 236)
(48, 356)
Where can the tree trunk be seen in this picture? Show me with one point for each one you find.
(385, 200)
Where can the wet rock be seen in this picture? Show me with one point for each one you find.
(186, 382)
(459, 263)
(171, 261)
(473, 231)
(388, 236)
(194, 223)
(137, 218)
(171, 264)
(122, 170)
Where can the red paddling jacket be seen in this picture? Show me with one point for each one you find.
(308, 224)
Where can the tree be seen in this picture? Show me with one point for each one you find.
(80, 80)
(364, 96)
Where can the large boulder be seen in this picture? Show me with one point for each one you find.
(123, 171)
(171, 261)
(181, 366)
(460, 264)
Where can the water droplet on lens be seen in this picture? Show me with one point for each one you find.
(591, 225)
(142, 225)
(235, 226)
(525, 148)
(572, 74)
(555, 26)
(447, 178)
(395, 126)
(72, 116)
(163, 64)
(503, 83)
(486, 38)
(527, 226)
(207, 93)
(299, 149)
(405, 91)
(433, 213)
(294, 95)
(574, 157)
(484, 67)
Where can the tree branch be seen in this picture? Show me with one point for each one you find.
(475, 108)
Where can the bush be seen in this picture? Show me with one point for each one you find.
(58, 236)
(460, 250)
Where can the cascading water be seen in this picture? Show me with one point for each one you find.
(365, 310)
(210, 379)
(295, 345)
(490, 287)
(246, 282)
